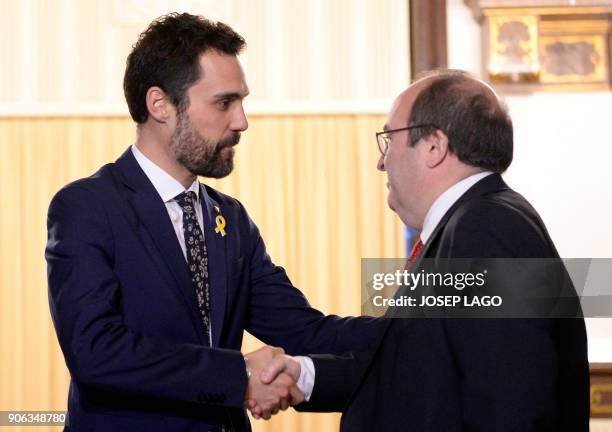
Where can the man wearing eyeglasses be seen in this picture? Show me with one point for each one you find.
(447, 140)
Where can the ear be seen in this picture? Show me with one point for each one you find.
(437, 148)
(158, 103)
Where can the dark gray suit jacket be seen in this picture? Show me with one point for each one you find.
(432, 375)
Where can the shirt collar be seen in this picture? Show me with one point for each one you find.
(445, 202)
(166, 186)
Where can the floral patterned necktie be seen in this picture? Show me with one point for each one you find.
(197, 256)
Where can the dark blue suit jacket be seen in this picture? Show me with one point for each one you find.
(126, 318)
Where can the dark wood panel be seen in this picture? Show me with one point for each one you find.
(427, 35)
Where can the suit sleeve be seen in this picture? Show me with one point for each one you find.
(336, 378)
(280, 315)
(99, 348)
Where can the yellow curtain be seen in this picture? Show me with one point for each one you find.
(309, 182)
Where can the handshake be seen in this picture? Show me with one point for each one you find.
(272, 382)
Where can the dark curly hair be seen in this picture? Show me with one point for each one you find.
(477, 124)
(167, 55)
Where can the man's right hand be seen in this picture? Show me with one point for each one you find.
(279, 390)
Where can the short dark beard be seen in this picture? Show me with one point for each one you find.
(199, 155)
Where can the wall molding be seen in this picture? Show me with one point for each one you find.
(559, 45)
(251, 108)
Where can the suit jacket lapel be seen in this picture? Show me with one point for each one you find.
(152, 212)
(489, 184)
(216, 243)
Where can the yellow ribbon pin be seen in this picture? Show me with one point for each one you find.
(220, 220)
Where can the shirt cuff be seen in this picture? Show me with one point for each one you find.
(307, 376)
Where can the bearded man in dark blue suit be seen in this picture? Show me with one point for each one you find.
(153, 276)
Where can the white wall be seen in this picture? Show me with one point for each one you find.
(563, 149)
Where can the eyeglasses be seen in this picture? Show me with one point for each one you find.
(384, 138)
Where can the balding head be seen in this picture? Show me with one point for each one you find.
(444, 128)
(469, 112)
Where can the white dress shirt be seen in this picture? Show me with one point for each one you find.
(168, 188)
(435, 213)
(445, 201)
